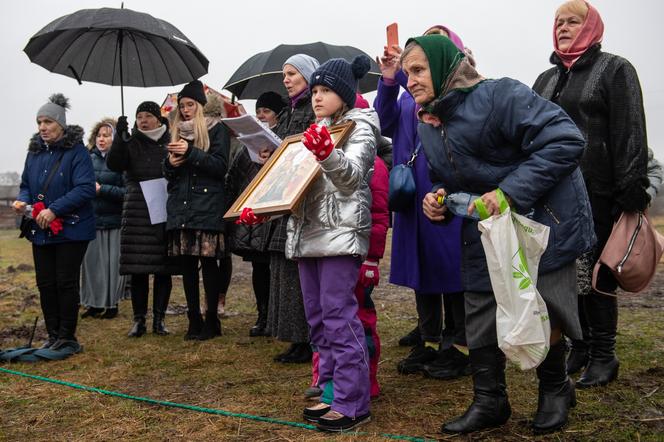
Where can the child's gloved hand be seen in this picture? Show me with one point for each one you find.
(317, 139)
(249, 218)
(369, 275)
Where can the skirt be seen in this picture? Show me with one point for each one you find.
(559, 291)
(102, 286)
(286, 320)
(203, 243)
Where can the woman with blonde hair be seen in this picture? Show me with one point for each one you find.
(602, 94)
(195, 169)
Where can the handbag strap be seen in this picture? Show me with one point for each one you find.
(42, 193)
(414, 155)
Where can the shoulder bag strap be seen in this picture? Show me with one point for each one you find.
(52, 172)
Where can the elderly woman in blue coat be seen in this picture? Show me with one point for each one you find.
(485, 136)
(58, 173)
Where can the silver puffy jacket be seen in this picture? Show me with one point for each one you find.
(334, 219)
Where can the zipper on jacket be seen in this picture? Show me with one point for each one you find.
(630, 246)
(550, 212)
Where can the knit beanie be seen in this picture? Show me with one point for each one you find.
(305, 64)
(194, 90)
(55, 109)
(150, 107)
(272, 101)
(341, 76)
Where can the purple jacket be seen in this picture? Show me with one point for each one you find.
(425, 257)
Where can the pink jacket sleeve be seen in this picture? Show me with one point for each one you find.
(380, 215)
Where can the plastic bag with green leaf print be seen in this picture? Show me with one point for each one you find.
(513, 245)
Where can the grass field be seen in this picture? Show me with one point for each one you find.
(236, 373)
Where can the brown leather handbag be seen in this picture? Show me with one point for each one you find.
(631, 253)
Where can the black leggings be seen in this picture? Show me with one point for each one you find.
(225, 272)
(161, 293)
(58, 272)
(260, 279)
(190, 281)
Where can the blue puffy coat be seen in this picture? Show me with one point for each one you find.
(502, 134)
(70, 192)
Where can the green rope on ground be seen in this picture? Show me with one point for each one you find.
(192, 407)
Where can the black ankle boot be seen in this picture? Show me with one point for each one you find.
(556, 392)
(301, 354)
(195, 327)
(138, 329)
(412, 338)
(490, 407)
(260, 328)
(602, 368)
(159, 325)
(212, 325)
(450, 364)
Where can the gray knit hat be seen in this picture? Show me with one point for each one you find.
(55, 109)
(305, 65)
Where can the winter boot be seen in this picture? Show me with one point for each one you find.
(556, 392)
(577, 358)
(490, 407)
(211, 327)
(416, 359)
(412, 338)
(138, 329)
(52, 326)
(195, 327)
(449, 364)
(602, 368)
(259, 329)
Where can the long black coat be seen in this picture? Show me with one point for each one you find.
(108, 202)
(602, 95)
(292, 121)
(142, 245)
(196, 197)
(250, 242)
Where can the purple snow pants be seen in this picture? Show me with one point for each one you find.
(328, 287)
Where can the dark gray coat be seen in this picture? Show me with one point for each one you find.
(108, 202)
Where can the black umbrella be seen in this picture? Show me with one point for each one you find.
(117, 47)
(262, 72)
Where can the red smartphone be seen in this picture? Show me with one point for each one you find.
(392, 36)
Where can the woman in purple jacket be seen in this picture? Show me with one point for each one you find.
(425, 257)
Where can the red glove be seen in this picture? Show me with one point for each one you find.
(317, 139)
(369, 275)
(249, 218)
(55, 225)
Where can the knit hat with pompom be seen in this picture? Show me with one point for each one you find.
(55, 109)
(341, 76)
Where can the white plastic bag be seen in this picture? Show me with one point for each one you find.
(513, 245)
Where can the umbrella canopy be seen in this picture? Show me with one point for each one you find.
(263, 71)
(117, 47)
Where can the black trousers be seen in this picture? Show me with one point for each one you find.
(430, 315)
(260, 279)
(225, 272)
(211, 281)
(161, 293)
(58, 273)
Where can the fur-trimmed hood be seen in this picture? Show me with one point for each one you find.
(73, 136)
(92, 138)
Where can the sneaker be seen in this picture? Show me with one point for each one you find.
(416, 359)
(411, 339)
(336, 422)
(312, 414)
(450, 364)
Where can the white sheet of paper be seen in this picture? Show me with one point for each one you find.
(250, 125)
(155, 194)
(257, 142)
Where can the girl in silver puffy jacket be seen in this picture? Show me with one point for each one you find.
(329, 237)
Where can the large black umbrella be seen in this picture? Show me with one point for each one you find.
(263, 71)
(117, 47)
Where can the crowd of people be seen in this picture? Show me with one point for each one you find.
(571, 153)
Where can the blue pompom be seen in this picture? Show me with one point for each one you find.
(360, 66)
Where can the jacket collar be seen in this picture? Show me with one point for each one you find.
(585, 60)
(73, 136)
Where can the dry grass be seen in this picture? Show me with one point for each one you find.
(236, 373)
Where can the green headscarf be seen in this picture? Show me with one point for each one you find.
(443, 57)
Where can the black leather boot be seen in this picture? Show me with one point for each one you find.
(602, 368)
(138, 329)
(259, 329)
(412, 338)
(211, 326)
(195, 327)
(577, 358)
(556, 392)
(159, 325)
(449, 364)
(490, 407)
(159, 306)
(52, 327)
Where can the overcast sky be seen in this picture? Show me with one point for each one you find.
(509, 38)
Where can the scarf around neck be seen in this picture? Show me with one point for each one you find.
(591, 33)
(154, 134)
(186, 128)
